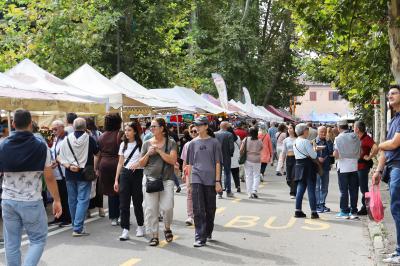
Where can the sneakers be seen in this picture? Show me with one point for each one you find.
(299, 214)
(353, 216)
(114, 222)
(140, 231)
(292, 197)
(326, 209)
(314, 215)
(238, 190)
(278, 174)
(261, 178)
(392, 259)
(78, 234)
(125, 235)
(230, 195)
(363, 211)
(199, 244)
(209, 238)
(189, 221)
(219, 196)
(178, 190)
(102, 213)
(65, 224)
(254, 195)
(160, 218)
(342, 215)
(320, 210)
(250, 196)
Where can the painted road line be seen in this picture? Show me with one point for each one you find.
(130, 262)
(237, 200)
(261, 186)
(271, 220)
(220, 210)
(163, 243)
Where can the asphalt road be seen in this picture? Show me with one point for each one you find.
(247, 232)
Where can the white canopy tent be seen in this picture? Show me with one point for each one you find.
(188, 99)
(258, 112)
(87, 79)
(272, 117)
(134, 89)
(38, 79)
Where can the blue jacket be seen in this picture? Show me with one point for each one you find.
(325, 153)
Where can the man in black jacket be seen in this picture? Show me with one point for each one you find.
(227, 145)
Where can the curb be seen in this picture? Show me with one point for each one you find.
(377, 234)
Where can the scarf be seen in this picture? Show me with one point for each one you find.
(22, 152)
(80, 146)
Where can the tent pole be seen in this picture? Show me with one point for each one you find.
(9, 122)
(177, 123)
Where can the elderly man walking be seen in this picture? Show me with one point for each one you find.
(347, 151)
(324, 150)
(78, 150)
(225, 138)
(24, 158)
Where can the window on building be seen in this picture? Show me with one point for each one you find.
(313, 95)
(334, 96)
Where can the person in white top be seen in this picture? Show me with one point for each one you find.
(235, 167)
(128, 180)
(347, 148)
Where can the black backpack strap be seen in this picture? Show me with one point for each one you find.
(73, 153)
(130, 155)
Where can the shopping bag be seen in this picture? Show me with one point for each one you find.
(374, 203)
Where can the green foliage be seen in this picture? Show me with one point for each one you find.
(160, 43)
(347, 43)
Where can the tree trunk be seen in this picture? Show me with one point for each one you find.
(394, 37)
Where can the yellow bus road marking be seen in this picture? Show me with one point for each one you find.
(130, 262)
(163, 243)
(243, 222)
(220, 210)
(261, 186)
(319, 226)
(271, 220)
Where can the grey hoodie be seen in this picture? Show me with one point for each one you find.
(348, 145)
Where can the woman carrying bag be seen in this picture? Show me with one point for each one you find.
(158, 157)
(128, 180)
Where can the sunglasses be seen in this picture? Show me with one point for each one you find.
(193, 131)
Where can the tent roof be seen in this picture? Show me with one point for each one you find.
(278, 113)
(15, 94)
(137, 91)
(215, 101)
(92, 82)
(189, 99)
(37, 78)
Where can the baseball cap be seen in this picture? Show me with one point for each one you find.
(201, 120)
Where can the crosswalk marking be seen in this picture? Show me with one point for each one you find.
(130, 262)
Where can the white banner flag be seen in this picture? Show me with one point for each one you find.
(247, 98)
(221, 87)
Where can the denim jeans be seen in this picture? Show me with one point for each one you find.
(321, 191)
(302, 185)
(363, 182)
(395, 202)
(78, 200)
(348, 185)
(28, 215)
(227, 179)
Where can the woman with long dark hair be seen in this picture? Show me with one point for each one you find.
(158, 157)
(109, 143)
(128, 180)
(204, 158)
(288, 154)
(252, 166)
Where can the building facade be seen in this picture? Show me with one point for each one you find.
(321, 99)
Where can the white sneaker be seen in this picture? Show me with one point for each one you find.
(140, 231)
(392, 260)
(353, 217)
(125, 235)
(189, 221)
(292, 197)
(114, 222)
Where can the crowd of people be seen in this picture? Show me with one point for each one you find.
(144, 165)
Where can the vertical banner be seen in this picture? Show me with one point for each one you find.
(221, 87)
(247, 98)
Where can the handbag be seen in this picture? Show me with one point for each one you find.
(317, 164)
(243, 154)
(374, 204)
(88, 172)
(130, 155)
(156, 184)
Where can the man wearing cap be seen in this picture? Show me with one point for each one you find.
(347, 151)
(225, 138)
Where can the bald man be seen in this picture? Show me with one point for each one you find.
(324, 150)
(228, 148)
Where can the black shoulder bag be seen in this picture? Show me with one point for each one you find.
(243, 153)
(88, 172)
(318, 166)
(156, 184)
(130, 156)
